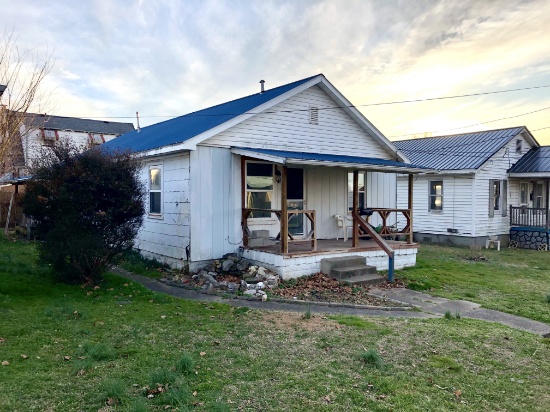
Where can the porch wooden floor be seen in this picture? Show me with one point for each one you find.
(330, 246)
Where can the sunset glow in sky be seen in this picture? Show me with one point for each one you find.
(170, 57)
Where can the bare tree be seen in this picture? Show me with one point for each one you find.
(22, 72)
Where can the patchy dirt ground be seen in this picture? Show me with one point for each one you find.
(322, 288)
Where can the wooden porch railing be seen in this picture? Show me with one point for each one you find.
(528, 216)
(391, 230)
(283, 235)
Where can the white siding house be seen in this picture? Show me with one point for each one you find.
(467, 199)
(223, 171)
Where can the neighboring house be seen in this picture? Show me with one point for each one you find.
(41, 130)
(467, 200)
(529, 210)
(241, 176)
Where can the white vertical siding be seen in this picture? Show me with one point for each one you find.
(286, 127)
(215, 206)
(496, 168)
(168, 235)
(457, 204)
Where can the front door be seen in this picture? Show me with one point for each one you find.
(295, 200)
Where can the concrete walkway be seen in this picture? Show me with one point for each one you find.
(431, 306)
(439, 306)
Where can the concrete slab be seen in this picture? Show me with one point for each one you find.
(516, 322)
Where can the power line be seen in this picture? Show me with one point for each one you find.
(478, 124)
(333, 107)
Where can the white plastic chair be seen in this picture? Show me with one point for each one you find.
(342, 222)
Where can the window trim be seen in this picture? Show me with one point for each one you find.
(265, 219)
(431, 184)
(155, 215)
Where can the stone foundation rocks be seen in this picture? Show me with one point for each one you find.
(529, 239)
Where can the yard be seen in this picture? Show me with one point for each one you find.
(512, 281)
(119, 347)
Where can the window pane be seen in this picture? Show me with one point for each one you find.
(259, 176)
(436, 188)
(295, 184)
(436, 203)
(154, 202)
(154, 179)
(259, 200)
(523, 193)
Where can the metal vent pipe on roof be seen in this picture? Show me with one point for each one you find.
(262, 86)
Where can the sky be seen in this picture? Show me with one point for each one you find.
(166, 58)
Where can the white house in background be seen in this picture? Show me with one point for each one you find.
(264, 176)
(40, 130)
(468, 199)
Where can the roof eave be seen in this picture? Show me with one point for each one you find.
(528, 175)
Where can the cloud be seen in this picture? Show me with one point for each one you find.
(170, 57)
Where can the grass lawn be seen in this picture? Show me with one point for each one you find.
(72, 348)
(512, 281)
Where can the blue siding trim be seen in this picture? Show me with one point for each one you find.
(528, 228)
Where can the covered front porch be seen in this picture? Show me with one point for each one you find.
(300, 235)
(529, 209)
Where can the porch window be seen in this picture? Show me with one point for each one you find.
(436, 195)
(524, 192)
(155, 190)
(259, 187)
(362, 190)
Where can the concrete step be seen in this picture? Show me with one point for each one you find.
(328, 264)
(368, 279)
(352, 271)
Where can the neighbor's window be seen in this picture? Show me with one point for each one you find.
(436, 195)
(96, 139)
(259, 188)
(155, 190)
(524, 192)
(518, 145)
(49, 137)
(496, 194)
(362, 190)
(538, 195)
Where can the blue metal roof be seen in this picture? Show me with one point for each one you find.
(185, 127)
(536, 160)
(332, 158)
(456, 152)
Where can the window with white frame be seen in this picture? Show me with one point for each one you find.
(495, 188)
(523, 193)
(537, 199)
(362, 190)
(155, 190)
(436, 195)
(259, 188)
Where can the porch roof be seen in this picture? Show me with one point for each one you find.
(535, 163)
(323, 159)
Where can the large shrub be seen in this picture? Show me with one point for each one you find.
(87, 208)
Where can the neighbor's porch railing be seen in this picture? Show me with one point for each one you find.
(528, 216)
(284, 234)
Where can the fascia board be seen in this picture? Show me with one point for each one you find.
(528, 175)
(259, 156)
(355, 114)
(376, 168)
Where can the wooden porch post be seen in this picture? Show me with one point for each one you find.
(410, 207)
(284, 210)
(243, 201)
(355, 240)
